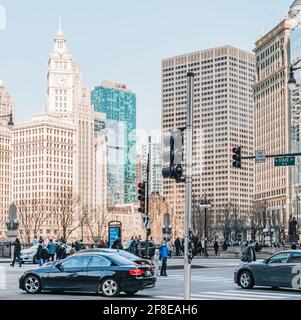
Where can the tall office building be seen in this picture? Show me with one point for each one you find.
(69, 99)
(154, 149)
(222, 119)
(119, 105)
(277, 118)
(5, 177)
(43, 176)
(6, 106)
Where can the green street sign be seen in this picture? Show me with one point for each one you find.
(284, 161)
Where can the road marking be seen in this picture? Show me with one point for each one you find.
(284, 294)
(215, 296)
(242, 294)
(2, 278)
(169, 297)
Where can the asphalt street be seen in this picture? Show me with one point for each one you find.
(207, 284)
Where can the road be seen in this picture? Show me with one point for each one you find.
(207, 284)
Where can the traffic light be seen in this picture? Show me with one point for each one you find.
(236, 157)
(173, 141)
(141, 197)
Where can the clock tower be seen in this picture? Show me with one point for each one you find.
(62, 75)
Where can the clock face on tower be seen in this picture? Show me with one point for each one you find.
(60, 80)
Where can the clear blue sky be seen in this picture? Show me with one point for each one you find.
(121, 41)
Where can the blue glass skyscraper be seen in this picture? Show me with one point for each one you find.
(119, 105)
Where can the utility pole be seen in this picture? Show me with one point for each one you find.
(206, 232)
(188, 185)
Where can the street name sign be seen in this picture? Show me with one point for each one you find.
(260, 156)
(284, 161)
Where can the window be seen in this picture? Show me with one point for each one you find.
(76, 262)
(99, 262)
(280, 258)
(295, 258)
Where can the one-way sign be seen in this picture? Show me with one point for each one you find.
(260, 156)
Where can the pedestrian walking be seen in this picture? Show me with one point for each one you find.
(169, 246)
(225, 246)
(216, 247)
(17, 252)
(138, 248)
(117, 244)
(178, 246)
(164, 253)
(44, 254)
(51, 247)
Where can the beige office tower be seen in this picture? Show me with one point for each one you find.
(6, 106)
(5, 177)
(69, 99)
(43, 175)
(274, 195)
(222, 119)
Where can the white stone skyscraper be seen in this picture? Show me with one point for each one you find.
(6, 106)
(222, 119)
(277, 118)
(68, 98)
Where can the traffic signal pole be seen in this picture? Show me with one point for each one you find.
(148, 230)
(188, 185)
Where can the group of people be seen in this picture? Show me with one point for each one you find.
(50, 251)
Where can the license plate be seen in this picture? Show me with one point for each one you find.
(148, 273)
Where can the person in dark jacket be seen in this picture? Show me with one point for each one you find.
(178, 246)
(117, 244)
(17, 252)
(294, 247)
(216, 247)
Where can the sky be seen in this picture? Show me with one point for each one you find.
(122, 41)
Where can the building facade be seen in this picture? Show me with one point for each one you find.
(119, 105)
(43, 176)
(154, 149)
(69, 99)
(5, 177)
(277, 120)
(6, 104)
(222, 119)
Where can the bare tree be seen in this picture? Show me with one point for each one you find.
(223, 222)
(66, 207)
(31, 214)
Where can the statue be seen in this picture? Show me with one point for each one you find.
(292, 229)
(12, 223)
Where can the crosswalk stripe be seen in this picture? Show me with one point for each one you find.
(216, 296)
(284, 294)
(246, 295)
(169, 297)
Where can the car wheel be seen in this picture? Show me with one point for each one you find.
(110, 288)
(32, 284)
(130, 292)
(246, 280)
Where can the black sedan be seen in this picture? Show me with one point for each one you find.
(106, 273)
(123, 253)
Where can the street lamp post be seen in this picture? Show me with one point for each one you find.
(206, 205)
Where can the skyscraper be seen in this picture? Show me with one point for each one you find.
(222, 119)
(277, 118)
(69, 99)
(119, 105)
(6, 106)
(43, 176)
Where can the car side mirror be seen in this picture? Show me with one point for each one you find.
(265, 261)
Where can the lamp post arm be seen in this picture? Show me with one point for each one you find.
(295, 63)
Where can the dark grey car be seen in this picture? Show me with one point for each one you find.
(282, 269)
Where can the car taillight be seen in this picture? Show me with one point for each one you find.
(136, 272)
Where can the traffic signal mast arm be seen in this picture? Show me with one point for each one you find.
(275, 155)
